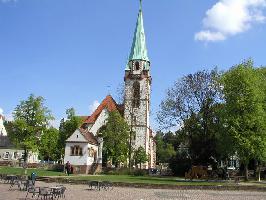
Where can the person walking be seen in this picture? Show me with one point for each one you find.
(68, 168)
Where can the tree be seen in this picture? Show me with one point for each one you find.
(190, 105)
(244, 91)
(193, 93)
(48, 145)
(67, 128)
(140, 156)
(115, 135)
(164, 149)
(31, 119)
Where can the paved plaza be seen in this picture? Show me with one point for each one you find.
(81, 192)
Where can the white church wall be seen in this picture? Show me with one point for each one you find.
(85, 158)
(76, 160)
(76, 137)
(101, 120)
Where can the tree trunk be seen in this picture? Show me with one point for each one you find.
(25, 160)
(259, 168)
(246, 172)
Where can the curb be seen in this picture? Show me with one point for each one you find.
(160, 186)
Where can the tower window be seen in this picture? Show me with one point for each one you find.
(137, 65)
(136, 94)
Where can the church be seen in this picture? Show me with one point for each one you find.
(83, 148)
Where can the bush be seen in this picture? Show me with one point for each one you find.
(125, 171)
(114, 171)
(180, 164)
(140, 172)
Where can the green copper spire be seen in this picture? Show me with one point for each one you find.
(139, 49)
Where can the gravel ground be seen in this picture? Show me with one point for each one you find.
(81, 192)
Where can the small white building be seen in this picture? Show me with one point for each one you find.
(8, 153)
(82, 152)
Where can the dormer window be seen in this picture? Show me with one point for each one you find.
(137, 66)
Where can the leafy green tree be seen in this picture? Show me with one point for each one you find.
(140, 156)
(191, 105)
(48, 148)
(31, 119)
(190, 95)
(164, 149)
(116, 134)
(245, 111)
(67, 128)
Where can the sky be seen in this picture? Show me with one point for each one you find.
(74, 52)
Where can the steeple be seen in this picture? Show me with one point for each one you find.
(138, 48)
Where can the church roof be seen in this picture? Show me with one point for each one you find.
(138, 48)
(88, 136)
(109, 104)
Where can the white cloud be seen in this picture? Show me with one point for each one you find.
(230, 17)
(93, 106)
(1, 111)
(209, 36)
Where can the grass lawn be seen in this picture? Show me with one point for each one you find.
(20, 171)
(112, 178)
(145, 180)
(121, 178)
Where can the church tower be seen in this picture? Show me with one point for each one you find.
(138, 88)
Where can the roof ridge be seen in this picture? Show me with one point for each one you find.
(108, 103)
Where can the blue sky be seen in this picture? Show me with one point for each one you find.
(73, 52)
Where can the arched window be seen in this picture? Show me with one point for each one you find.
(137, 66)
(136, 94)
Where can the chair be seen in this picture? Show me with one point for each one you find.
(14, 180)
(33, 190)
(59, 191)
(94, 185)
(26, 184)
(45, 193)
(3, 177)
(107, 185)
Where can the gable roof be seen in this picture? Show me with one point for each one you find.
(109, 104)
(88, 136)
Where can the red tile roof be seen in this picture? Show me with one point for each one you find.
(89, 136)
(108, 103)
(2, 117)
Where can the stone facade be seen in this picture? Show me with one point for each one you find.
(138, 93)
